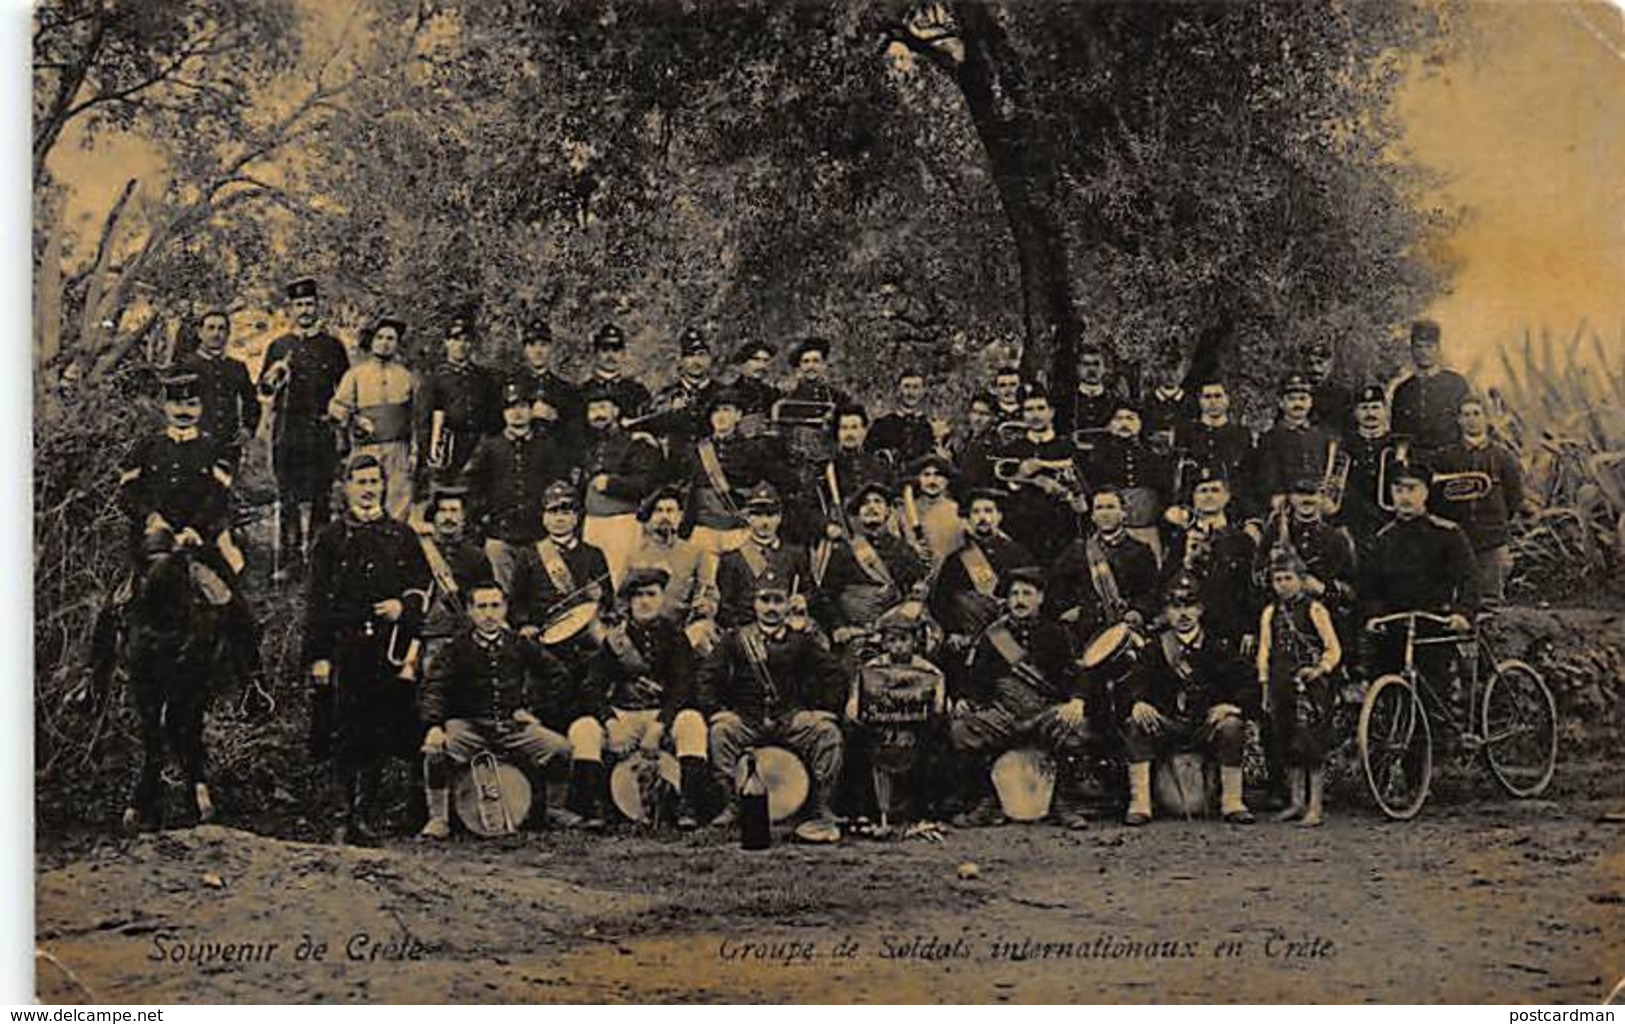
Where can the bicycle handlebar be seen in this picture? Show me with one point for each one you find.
(1384, 620)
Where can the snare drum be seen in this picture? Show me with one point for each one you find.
(1112, 654)
(568, 624)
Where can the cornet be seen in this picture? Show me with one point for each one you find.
(275, 377)
(1335, 481)
(441, 441)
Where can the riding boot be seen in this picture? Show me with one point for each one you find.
(690, 791)
(1230, 803)
(437, 796)
(1139, 793)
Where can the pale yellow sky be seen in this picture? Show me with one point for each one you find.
(1527, 123)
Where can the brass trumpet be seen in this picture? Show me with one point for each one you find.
(1334, 482)
(797, 412)
(441, 441)
(1008, 470)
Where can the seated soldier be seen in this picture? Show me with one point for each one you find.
(895, 700)
(557, 574)
(1188, 691)
(871, 571)
(1105, 578)
(640, 687)
(770, 683)
(478, 696)
(1022, 689)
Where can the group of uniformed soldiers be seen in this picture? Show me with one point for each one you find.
(580, 571)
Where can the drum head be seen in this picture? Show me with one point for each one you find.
(786, 779)
(1181, 785)
(1108, 643)
(481, 811)
(1025, 781)
(629, 782)
(568, 623)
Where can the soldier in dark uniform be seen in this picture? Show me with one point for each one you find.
(301, 372)
(1191, 688)
(507, 476)
(969, 591)
(972, 445)
(1165, 406)
(1213, 441)
(1005, 396)
(1096, 398)
(1334, 404)
(1364, 509)
(1426, 401)
(869, 571)
(1105, 578)
(468, 402)
(1037, 509)
(369, 586)
(906, 432)
(1218, 555)
(640, 689)
(1480, 489)
(1294, 447)
(609, 356)
(559, 572)
(852, 468)
(1022, 687)
(679, 409)
(457, 562)
(771, 683)
(1123, 460)
(809, 361)
(555, 400)
(231, 406)
(750, 383)
(763, 553)
(617, 471)
(721, 466)
(1326, 551)
(479, 695)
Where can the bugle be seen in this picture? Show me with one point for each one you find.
(1334, 482)
(441, 441)
(275, 377)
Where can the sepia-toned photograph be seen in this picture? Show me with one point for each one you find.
(828, 501)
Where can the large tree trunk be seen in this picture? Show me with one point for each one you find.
(992, 79)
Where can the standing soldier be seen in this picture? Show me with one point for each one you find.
(849, 469)
(755, 393)
(1334, 405)
(458, 404)
(809, 360)
(231, 409)
(722, 465)
(930, 515)
(871, 570)
(608, 378)
(1122, 459)
(1166, 405)
(1218, 555)
(369, 587)
(507, 477)
(1479, 487)
(678, 412)
(770, 682)
(1426, 401)
(555, 400)
(618, 470)
(1294, 447)
(906, 432)
(1038, 472)
(1212, 441)
(1326, 551)
(1365, 506)
(374, 402)
(1005, 396)
(1096, 397)
(971, 446)
(480, 693)
(457, 563)
(640, 690)
(302, 370)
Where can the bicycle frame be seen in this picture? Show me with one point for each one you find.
(1435, 706)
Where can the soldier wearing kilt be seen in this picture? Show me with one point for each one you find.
(1298, 651)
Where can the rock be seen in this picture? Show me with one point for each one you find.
(213, 880)
(969, 871)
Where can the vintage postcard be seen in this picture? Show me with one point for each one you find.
(852, 501)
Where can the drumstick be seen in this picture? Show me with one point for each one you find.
(565, 599)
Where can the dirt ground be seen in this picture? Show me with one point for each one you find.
(1480, 899)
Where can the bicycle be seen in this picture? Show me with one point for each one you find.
(1511, 721)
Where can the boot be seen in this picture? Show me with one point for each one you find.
(1294, 807)
(1139, 793)
(586, 793)
(689, 789)
(438, 797)
(205, 803)
(1317, 794)
(1066, 809)
(1230, 802)
(822, 826)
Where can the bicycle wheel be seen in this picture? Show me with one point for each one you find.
(1396, 747)
(1520, 729)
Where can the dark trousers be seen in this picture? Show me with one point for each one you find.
(1224, 740)
(169, 705)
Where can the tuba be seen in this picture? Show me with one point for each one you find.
(1470, 485)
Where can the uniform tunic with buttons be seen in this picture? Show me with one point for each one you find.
(304, 449)
(181, 476)
(480, 681)
(667, 685)
(1287, 453)
(468, 396)
(506, 479)
(1225, 448)
(1425, 408)
(1421, 564)
(231, 407)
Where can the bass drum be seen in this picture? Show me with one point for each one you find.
(785, 777)
(1024, 779)
(1182, 786)
(492, 797)
(637, 784)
